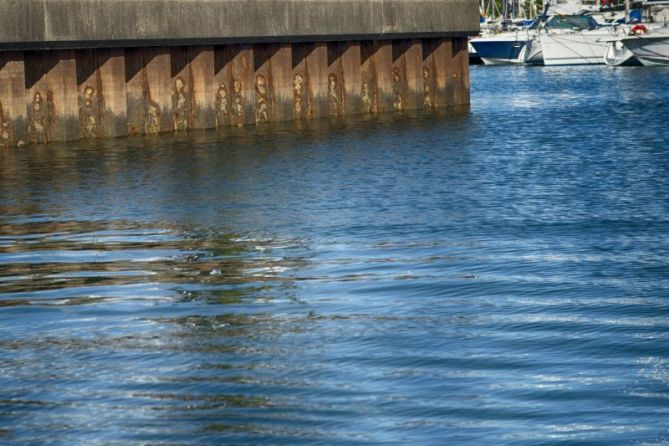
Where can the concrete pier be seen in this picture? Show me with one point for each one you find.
(73, 69)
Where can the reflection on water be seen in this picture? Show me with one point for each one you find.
(499, 272)
(80, 262)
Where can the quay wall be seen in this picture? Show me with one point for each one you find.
(72, 69)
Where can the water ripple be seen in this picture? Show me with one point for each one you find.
(498, 272)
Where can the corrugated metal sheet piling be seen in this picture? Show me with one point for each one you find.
(73, 69)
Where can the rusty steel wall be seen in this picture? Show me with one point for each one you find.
(62, 95)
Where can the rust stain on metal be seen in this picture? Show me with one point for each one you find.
(262, 102)
(427, 88)
(237, 103)
(89, 113)
(334, 99)
(222, 105)
(92, 107)
(50, 114)
(310, 112)
(5, 128)
(369, 87)
(298, 91)
(42, 118)
(150, 108)
(181, 106)
(398, 103)
(366, 98)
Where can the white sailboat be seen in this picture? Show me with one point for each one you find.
(586, 47)
(574, 40)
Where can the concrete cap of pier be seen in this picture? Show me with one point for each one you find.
(41, 24)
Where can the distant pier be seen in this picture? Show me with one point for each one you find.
(72, 69)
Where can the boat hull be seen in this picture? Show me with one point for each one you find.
(617, 55)
(584, 48)
(474, 58)
(650, 50)
(490, 61)
(532, 53)
(499, 51)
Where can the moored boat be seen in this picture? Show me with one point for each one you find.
(574, 40)
(501, 49)
(579, 48)
(651, 48)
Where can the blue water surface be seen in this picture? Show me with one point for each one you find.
(497, 275)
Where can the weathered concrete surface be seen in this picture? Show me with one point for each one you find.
(36, 24)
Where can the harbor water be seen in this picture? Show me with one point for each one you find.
(491, 275)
